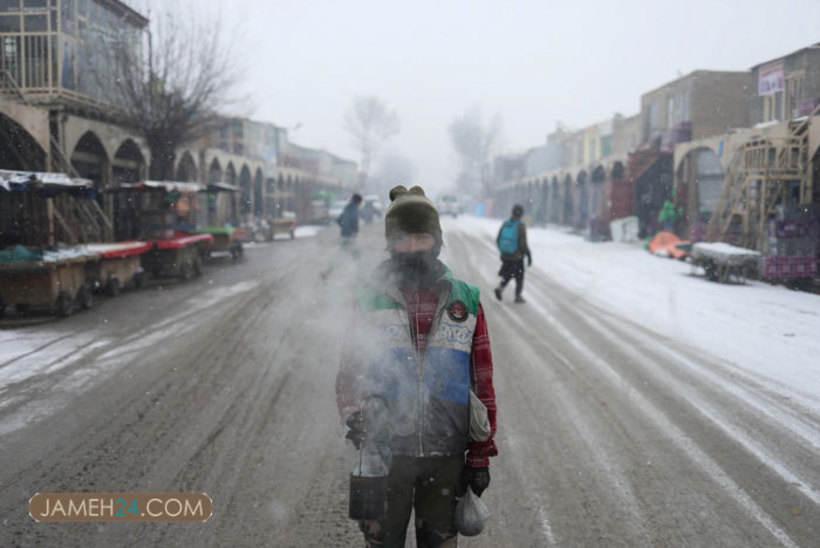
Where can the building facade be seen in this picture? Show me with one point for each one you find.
(700, 104)
(786, 87)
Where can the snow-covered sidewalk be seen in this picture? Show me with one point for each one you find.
(765, 330)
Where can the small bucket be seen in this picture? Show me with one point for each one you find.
(368, 497)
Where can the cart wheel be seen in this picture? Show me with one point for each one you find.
(84, 297)
(186, 271)
(65, 304)
(711, 270)
(112, 286)
(139, 280)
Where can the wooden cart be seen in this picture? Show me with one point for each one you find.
(180, 256)
(225, 240)
(721, 261)
(219, 217)
(286, 224)
(56, 282)
(119, 264)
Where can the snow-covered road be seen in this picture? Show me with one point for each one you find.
(638, 405)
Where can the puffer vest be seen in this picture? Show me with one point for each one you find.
(427, 395)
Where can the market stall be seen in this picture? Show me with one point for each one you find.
(41, 209)
(164, 214)
(50, 279)
(220, 219)
(44, 219)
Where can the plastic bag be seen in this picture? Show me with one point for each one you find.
(471, 514)
(479, 419)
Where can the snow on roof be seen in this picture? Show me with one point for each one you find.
(9, 179)
(167, 186)
(221, 186)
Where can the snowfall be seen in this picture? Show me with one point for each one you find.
(764, 331)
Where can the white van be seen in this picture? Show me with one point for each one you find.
(449, 205)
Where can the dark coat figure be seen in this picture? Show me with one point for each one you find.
(512, 260)
(349, 219)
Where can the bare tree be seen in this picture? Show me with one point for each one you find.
(370, 124)
(393, 169)
(474, 143)
(171, 81)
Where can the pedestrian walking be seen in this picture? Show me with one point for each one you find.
(348, 220)
(668, 215)
(420, 349)
(512, 243)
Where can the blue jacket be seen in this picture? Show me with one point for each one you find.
(349, 219)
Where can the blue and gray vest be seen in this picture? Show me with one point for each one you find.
(427, 395)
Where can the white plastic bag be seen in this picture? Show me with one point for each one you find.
(471, 514)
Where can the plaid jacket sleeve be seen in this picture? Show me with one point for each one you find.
(479, 452)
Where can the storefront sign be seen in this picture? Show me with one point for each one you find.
(770, 78)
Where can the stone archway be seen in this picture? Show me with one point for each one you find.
(542, 199)
(19, 151)
(215, 172)
(583, 200)
(258, 193)
(699, 182)
(230, 174)
(186, 169)
(128, 165)
(245, 190)
(597, 204)
(566, 217)
(90, 160)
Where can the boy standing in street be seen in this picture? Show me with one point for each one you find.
(419, 344)
(512, 243)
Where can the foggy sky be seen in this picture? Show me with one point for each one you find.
(532, 62)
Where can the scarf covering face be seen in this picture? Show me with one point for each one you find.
(416, 269)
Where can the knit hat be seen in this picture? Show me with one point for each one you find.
(410, 212)
(517, 210)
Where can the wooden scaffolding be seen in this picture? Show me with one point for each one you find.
(765, 172)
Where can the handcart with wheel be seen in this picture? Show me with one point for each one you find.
(119, 264)
(51, 280)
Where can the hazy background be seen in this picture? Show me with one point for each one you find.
(533, 63)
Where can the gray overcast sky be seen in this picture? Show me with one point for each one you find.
(531, 62)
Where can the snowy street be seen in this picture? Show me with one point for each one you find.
(639, 404)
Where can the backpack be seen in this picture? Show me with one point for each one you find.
(508, 240)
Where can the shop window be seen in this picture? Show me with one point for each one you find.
(36, 23)
(9, 5)
(794, 94)
(772, 105)
(9, 23)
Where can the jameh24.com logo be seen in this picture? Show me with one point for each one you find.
(65, 507)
